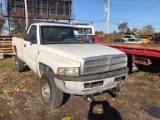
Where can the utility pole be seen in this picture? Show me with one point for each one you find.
(106, 18)
(26, 13)
(108, 13)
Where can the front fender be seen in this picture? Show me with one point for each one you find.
(54, 62)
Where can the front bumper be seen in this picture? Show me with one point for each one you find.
(89, 84)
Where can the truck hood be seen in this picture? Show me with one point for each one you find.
(78, 51)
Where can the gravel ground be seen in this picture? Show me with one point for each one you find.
(20, 98)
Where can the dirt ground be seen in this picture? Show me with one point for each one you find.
(20, 98)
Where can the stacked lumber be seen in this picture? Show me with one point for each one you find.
(6, 45)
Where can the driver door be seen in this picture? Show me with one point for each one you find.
(31, 49)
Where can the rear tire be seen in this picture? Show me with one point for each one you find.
(19, 64)
(51, 96)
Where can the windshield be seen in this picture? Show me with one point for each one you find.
(87, 30)
(131, 40)
(63, 35)
(144, 37)
(127, 37)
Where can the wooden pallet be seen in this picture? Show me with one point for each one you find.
(5, 40)
(6, 45)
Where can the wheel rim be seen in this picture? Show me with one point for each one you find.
(15, 62)
(46, 92)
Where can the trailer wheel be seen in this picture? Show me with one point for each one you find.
(51, 96)
(19, 64)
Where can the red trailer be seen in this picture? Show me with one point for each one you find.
(144, 54)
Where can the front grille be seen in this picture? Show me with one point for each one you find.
(90, 70)
(118, 66)
(96, 62)
(104, 63)
(115, 59)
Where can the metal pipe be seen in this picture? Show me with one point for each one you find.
(108, 13)
(105, 19)
(26, 13)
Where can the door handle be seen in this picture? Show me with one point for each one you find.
(24, 45)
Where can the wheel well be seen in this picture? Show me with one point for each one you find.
(14, 49)
(44, 68)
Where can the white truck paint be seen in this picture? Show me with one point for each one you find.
(126, 37)
(133, 40)
(69, 65)
(87, 28)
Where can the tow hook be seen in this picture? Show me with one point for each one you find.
(117, 89)
(114, 92)
(88, 98)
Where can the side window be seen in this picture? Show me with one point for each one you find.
(89, 31)
(33, 31)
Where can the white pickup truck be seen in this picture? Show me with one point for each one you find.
(126, 37)
(68, 63)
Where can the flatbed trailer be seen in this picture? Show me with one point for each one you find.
(144, 54)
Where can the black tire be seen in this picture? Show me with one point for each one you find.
(19, 64)
(51, 96)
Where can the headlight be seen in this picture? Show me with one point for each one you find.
(68, 71)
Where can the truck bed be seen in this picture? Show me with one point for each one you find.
(151, 50)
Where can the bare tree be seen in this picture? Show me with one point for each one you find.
(2, 22)
(135, 30)
(123, 27)
(148, 28)
(18, 25)
(2, 19)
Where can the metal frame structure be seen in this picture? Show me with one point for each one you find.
(0, 9)
(41, 9)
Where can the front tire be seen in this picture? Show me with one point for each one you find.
(51, 96)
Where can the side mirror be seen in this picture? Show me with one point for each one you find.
(30, 38)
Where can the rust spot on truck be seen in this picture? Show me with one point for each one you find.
(85, 90)
(64, 84)
(143, 61)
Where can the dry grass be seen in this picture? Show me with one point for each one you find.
(19, 99)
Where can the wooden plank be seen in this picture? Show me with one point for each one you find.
(1, 55)
(8, 53)
(6, 49)
(5, 39)
(6, 44)
(3, 42)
